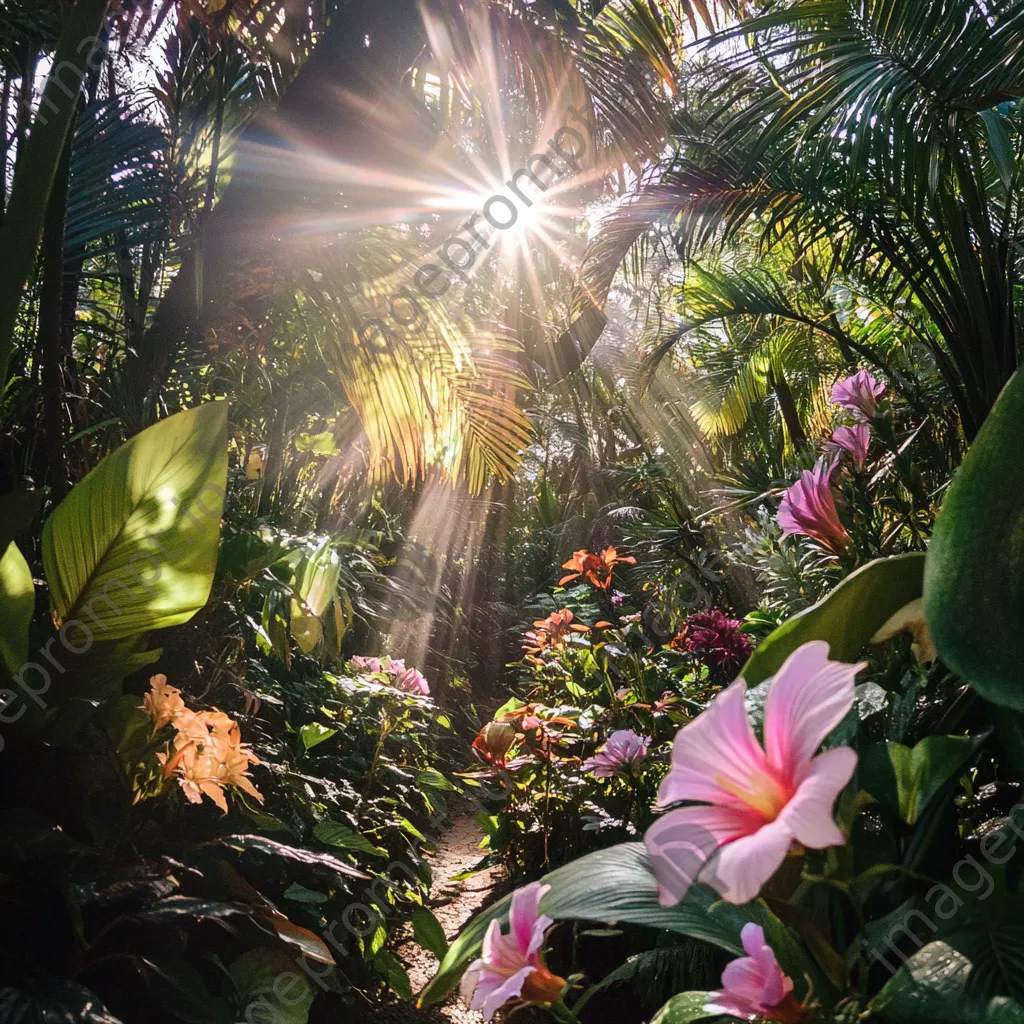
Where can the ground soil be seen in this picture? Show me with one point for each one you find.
(453, 904)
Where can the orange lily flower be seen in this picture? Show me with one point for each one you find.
(552, 631)
(596, 568)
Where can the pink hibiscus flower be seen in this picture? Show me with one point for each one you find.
(754, 985)
(364, 664)
(624, 753)
(858, 394)
(808, 508)
(855, 440)
(511, 967)
(411, 680)
(756, 802)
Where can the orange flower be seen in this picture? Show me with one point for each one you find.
(596, 568)
(207, 753)
(163, 703)
(552, 631)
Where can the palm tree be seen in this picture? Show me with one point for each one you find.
(875, 144)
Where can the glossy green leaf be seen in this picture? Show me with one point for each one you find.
(971, 977)
(396, 974)
(333, 833)
(847, 618)
(684, 1008)
(17, 601)
(974, 578)
(268, 988)
(906, 778)
(314, 734)
(427, 931)
(133, 547)
(613, 885)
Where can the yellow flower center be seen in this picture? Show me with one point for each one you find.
(765, 795)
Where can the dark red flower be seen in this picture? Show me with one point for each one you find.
(715, 640)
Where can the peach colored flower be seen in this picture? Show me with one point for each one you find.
(756, 802)
(162, 702)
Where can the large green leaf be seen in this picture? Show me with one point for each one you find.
(133, 547)
(17, 599)
(974, 578)
(266, 987)
(617, 884)
(959, 981)
(906, 778)
(847, 618)
(683, 1009)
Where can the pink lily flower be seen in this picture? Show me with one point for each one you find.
(754, 985)
(412, 681)
(396, 666)
(624, 753)
(858, 394)
(808, 508)
(855, 440)
(511, 965)
(757, 802)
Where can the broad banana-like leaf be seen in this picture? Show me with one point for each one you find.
(974, 577)
(133, 547)
(847, 617)
(17, 599)
(316, 581)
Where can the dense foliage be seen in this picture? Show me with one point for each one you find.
(600, 415)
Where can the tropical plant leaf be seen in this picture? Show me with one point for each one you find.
(17, 602)
(266, 988)
(684, 1008)
(427, 931)
(613, 885)
(847, 618)
(974, 577)
(133, 547)
(333, 833)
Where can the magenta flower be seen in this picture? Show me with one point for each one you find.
(855, 440)
(511, 966)
(365, 664)
(808, 508)
(623, 753)
(411, 680)
(757, 801)
(754, 985)
(715, 640)
(395, 666)
(858, 394)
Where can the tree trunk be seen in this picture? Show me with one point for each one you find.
(50, 308)
(345, 105)
(787, 406)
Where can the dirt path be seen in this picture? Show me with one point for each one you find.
(453, 903)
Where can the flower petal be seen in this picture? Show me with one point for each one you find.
(679, 844)
(808, 698)
(526, 926)
(716, 747)
(493, 991)
(742, 867)
(808, 815)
